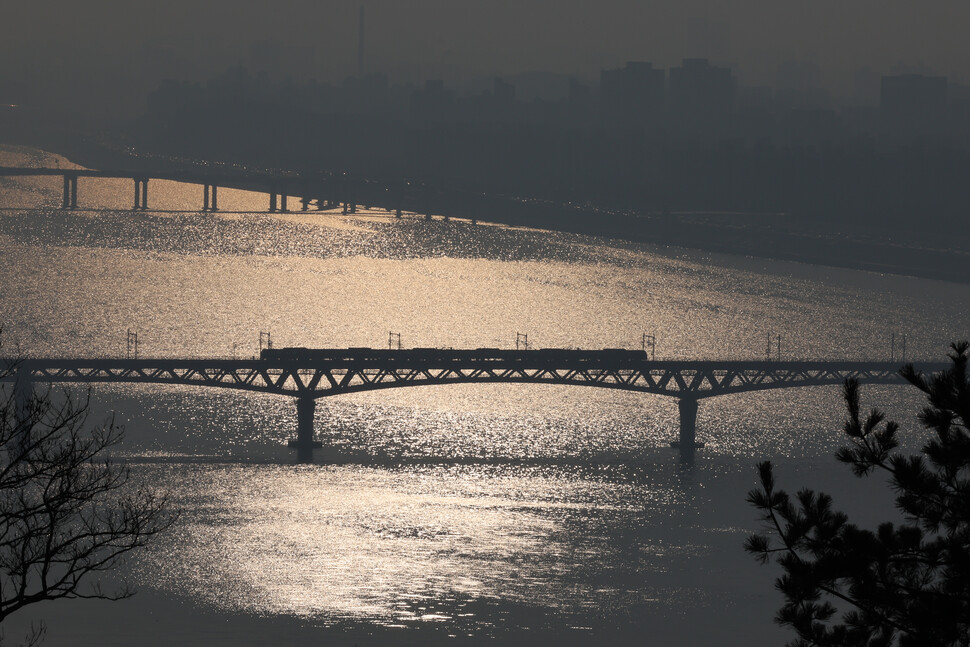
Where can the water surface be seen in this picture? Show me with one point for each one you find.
(465, 513)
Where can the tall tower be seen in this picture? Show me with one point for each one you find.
(360, 44)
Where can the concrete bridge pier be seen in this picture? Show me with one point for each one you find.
(304, 443)
(141, 193)
(23, 395)
(206, 205)
(272, 202)
(283, 203)
(69, 200)
(687, 442)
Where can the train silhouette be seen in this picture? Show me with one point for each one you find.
(561, 357)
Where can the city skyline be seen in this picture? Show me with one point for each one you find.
(57, 46)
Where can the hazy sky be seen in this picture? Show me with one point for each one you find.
(416, 39)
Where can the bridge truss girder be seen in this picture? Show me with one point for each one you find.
(694, 380)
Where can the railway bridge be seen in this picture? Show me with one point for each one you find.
(309, 374)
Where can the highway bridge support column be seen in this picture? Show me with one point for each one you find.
(67, 192)
(214, 204)
(141, 193)
(304, 443)
(272, 202)
(74, 192)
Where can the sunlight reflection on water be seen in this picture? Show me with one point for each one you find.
(479, 508)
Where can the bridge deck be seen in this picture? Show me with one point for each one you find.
(243, 181)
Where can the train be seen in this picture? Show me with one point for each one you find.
(614, 357)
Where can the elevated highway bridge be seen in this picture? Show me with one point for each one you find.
(324, 190)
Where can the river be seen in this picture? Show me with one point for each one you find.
(463, 514)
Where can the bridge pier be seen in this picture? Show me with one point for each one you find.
(23, 395)
(141, 194)
(687, 442)
(304, 443)
(283, 203)
(67, 192)
(73, 192)
(206, 206)
(272, 202)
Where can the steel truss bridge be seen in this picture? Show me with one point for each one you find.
(355, 370)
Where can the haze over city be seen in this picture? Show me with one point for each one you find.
(53, 46)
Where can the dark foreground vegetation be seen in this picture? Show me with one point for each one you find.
(68, 511)
(905, 583)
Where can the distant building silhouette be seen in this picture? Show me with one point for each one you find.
(913, 108)
(365, 95)
(701, 99)
(958, 102)
(633, 96)
(432, 103)
(503, 91)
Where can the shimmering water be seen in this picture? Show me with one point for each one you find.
(462, 513)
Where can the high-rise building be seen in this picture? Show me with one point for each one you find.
(912, 107)
(701, 98)
(360, 44)
(633, 95)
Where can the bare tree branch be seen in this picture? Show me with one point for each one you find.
(68, 511)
